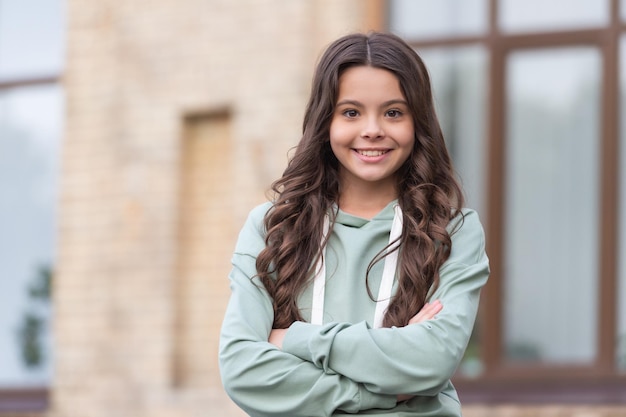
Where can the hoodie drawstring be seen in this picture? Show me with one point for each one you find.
(386, 282)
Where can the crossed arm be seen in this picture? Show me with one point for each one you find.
(265, 381)
(429, 311)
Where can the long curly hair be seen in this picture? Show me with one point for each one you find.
(428, 193)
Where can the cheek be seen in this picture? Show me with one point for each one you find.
(337, 134)
(408, 143)
(407, 136)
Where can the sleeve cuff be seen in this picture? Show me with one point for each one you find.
(296, 341)
(371, 400)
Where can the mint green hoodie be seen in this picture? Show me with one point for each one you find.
(345, 366)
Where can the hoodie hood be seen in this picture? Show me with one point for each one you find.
(350, 220)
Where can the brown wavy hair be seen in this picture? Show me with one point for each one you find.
(428, 192)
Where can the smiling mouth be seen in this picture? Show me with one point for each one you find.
(371, 152)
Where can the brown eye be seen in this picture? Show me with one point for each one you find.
(350, 113)
(394, 113)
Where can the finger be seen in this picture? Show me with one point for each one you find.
(427, 312)
(436, 306)
(430, 309)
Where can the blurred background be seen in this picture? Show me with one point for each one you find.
(135, 136)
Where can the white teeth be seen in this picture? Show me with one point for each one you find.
(371, 153)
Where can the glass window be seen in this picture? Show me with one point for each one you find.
(621, 306)
(540, 15)
(459, 80)
(415, 19)
(31, 38)
(551, 207)
(30, 133)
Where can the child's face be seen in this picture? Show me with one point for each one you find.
(371, 132)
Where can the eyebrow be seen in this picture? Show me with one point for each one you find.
(359, 104)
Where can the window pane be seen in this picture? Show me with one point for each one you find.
(459, 80)
(416, 19)
(459, 77)
(525, 15)
(551, 210)
(31, 38)
(621, 306)
(30, 129)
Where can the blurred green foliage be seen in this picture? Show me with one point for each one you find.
(34, 321)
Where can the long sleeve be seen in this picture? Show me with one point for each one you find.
(261, 379)
(417, 359)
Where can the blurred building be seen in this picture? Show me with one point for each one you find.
(135, 136)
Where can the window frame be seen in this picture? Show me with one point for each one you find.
(21, 400)
(599, 382)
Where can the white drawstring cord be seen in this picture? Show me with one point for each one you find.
(386, 282)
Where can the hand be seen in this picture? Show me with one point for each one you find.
(276, 337)
(427, 312)
(403, 397)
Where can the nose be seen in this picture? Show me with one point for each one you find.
(372, 129)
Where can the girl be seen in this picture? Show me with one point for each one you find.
(355, 291)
